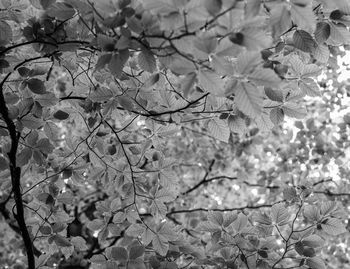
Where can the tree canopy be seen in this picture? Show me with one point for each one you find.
(174, 134)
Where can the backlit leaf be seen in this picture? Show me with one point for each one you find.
(315, 263)
(248, 99)
(160, 244)
(211, 82)
(219, 129)
(333, 226)
(61, 11)
(146, 60)
(264, 77)
(5, 32)
(339, 34)
(280, 19)
(213, 6)
(313, 241)
(302, 14)
(279, 214)
(294, 110)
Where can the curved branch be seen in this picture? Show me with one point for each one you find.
(15, 172)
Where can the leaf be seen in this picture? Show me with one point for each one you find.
(249, 99)
(61, 115)
(274, 95)
(153, 79)
(255, 39)
(45, 146)
(95, 225)
(315, 263)
(61, 241)
(31, 122)
(51, 130)
(221, 65)
(206, 44)
(276, 115)
(61, 11)
(263, 254)
(46, 198)
(280, 214)
(37, 86)
(213, 6)
(310, 70)
(280, 20)
(136, 252)
(309, 87)
(102, 61)
(46, 230)
(165, 195)
(119, 254)
(339, 34)
(219, 129)
(207, 226)
(211, 82)
(158, 208)
(101, 94)
(79, 243)
(42, 4)
(98, 259)
(321, 53)
(333, 226)
(312, 213)
(3, 164)
(48, 99)
(264, 122)
(247, 62)
(236, 124)
(216, 217)
(313, 241)
(187, 83)
(303, 16)
(136, 264)
(135, 229)
(294, 110)
(304, 41)
(11, 98)
(167, 231)
(322, 32)
(32, 138)
(146, 60)
(328, 207)
(160, 244)
(117, 62)
(264, 77)
(147, 236)
(240, 223)
(24, 156)
(289, 193)
(5, 33)
(252, 8)
(263, 218)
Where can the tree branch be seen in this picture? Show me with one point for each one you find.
(16, 178)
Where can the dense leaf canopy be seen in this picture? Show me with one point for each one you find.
(174, 134)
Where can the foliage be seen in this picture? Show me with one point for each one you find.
(171, 134)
